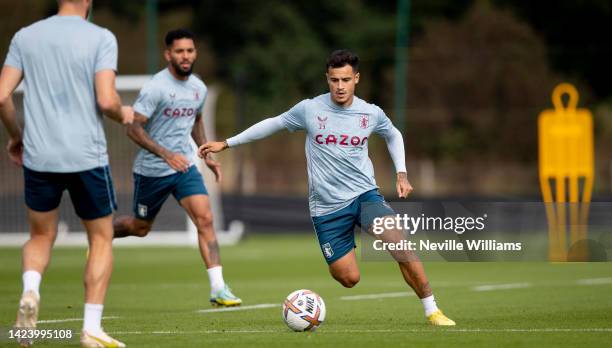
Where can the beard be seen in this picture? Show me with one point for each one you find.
(179, 70)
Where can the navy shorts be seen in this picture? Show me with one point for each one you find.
(335, 231)
(91, 191)
(150, 193)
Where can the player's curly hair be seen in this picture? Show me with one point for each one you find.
(340, 58)
(178, 34)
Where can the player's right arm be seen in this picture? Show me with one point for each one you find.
(292, 120)
(9, 80)
(257, 131)
(139, 135)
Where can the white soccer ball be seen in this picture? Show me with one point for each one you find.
(303, 310)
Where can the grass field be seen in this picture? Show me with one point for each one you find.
(156, 294)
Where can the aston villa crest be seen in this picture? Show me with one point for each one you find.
(322, 122)
(327, 250)
(364, 121)
(142, 210)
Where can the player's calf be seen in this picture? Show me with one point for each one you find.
(414, 275)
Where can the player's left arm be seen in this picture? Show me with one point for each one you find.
(395, 144)
(9, 80)
(105, 68)
(199, 136)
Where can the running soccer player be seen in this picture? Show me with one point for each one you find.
(167, 113)
(341, 178)
(67, 66)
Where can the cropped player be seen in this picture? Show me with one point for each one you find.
(167, 113)
(67, 66)
(341, 178)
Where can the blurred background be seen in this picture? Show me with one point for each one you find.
(464, 80)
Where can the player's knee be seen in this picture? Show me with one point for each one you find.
(45, 240)
(204, 222)
(139, 228)
(349, 280)
(47, 236)
(142, 230)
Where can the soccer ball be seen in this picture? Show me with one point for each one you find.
(303, 310)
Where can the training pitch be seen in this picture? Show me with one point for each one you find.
(159, 298)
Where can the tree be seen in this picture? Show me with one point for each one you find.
(576, 33)
(476, 87)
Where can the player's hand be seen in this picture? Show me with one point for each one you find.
(177, 161)
(403, 185)
(15, 151)
(214, 166)
(127, 115)
(212, 147)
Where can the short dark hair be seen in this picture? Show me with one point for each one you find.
(340, 58)
(178, 34)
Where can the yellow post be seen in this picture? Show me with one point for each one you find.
(565, 139)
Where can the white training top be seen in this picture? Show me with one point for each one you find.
(59, 57)
(339, 169)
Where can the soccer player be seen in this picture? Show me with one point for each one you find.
(341, 178)
(67, 66)
(167, 113)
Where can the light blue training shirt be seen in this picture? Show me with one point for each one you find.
(171, 105)
(339, 168)
(59, 57)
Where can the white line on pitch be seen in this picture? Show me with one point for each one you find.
(324, 331)
(239, 308)
(67, 320)
(594, 281)
(191, 332)
(501, 286)
(376, 296)
(596, 329)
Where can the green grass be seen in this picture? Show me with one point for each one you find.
(161, 289)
